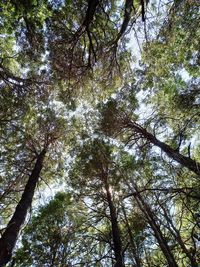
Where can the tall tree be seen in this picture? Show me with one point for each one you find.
(96, 166)
(48, 129)
(9, 237)
(66, 68)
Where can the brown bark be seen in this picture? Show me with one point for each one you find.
(115, 229)
(9, 237)
(187, 162)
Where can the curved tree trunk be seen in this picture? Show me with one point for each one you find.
(9, 237)
(187, 162)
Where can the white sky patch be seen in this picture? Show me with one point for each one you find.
(184, 74)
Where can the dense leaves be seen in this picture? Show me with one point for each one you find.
(99, 133)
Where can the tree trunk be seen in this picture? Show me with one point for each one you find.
(92, 5)
(157, 231)
(178, 237)
(115, 229)
(172, 153)
(132, 242)
(9, 237)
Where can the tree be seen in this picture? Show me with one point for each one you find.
(122, 121)
(77, 41)
(53, 234)
(9, 237)
(47, 130)
(95, 169)
(121, 138)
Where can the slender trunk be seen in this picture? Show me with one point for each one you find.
(133, 245)
(179, 239)
(187, 162)
(157, 231)
(127, 16)
(9, 237)
(115, 229)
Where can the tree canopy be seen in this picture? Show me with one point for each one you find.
(99, 133)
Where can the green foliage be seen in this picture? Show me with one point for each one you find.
(51, 235)
(176, 46)
(69, 85)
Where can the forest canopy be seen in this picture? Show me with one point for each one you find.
(99, 133)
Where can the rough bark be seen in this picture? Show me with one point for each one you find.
(9, 237)
(115, 229)
(187, 162)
